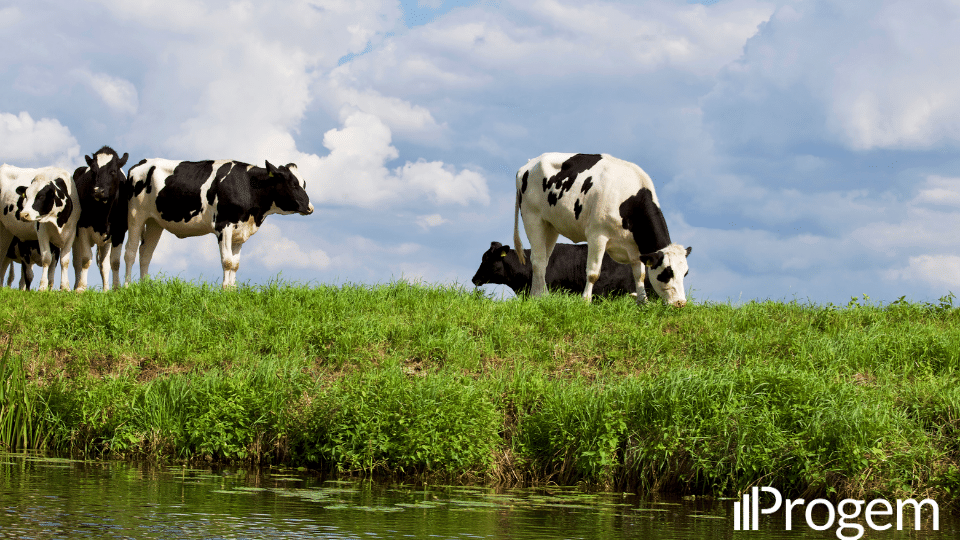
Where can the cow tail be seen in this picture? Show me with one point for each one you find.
(517, 243)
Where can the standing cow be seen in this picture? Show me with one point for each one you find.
(226, 198)
(608, 203)
(39, 204)
(566, 271)
(103, 216)
(27, 253)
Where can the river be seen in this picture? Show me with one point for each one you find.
(58, 498)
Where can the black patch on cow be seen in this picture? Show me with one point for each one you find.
(563, 181)
(145, 184)
(587, 184)
(523, 182)
(666, 275)
(63, 196)
(180, 199)
(45, 199)
(642, 217)
(577, 208)
(652, 259)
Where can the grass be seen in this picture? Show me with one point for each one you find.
(404, 379)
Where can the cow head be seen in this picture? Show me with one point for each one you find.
(492, 266)
(666, 269)
(46, 199)
(291, 190)
(107, 168)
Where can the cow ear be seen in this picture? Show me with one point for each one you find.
(123, 160)
(89, 161)
(653, 260)
(271, 170)
(504, 250)
(21, 190)
(689, 249)
(495, 245)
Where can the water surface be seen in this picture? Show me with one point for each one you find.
(56, 498)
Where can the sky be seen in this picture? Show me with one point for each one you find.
(805, 149)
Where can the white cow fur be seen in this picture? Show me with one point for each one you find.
(599, 224)
(33, 227)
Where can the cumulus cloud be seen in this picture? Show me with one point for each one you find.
(355, 171)
(119, 94)
(429, 221)
(28, 142)
(864, 74)
(415, 122)
(274, 250)
(937, 271)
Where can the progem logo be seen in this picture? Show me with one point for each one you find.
(746, 514)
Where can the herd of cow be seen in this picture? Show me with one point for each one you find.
(49, 214)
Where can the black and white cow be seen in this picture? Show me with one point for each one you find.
(27, 253)
(608, 203)
(39, 204)
(103, 216)
(566, 271)
(226, 198)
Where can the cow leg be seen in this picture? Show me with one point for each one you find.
(65, 252)
(639, 270)
(26, 276)
(229, 256)
(542, 236)
(6, 238)
(596, 247)
(46, 259)
(81, 260)
(104, 253)
(116, 253)
(130, 252)
(10, 277)
(151, 237)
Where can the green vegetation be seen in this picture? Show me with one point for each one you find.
(401, 379)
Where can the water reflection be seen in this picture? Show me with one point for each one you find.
(43, 498)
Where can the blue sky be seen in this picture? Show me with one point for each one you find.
(804, 149)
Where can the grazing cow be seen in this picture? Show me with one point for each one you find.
(27, 253)
(226, 198)
(103, 216)
(608, 203)
(566, 271)
(39, 204)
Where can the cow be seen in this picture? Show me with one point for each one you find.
(39, 204)
(608, 203)
(101, 187)
(27, 253)
(566, 271)
(193, 198)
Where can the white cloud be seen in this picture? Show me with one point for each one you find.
(273, 250)
(355, 171)
(937, 271)
(867, 74)
(27, 142)
(119, 94)
(401, 116)
(429, 221)
(10, 15)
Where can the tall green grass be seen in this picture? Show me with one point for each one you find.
(403, 379)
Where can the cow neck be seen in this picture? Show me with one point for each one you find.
(644, 219)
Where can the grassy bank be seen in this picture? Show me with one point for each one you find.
(860, 400)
